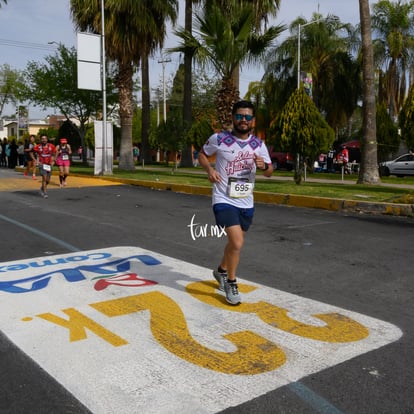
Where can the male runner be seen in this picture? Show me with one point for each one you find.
(238, 155)
(45, 152)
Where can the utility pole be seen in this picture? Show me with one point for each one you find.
(164, 61)
(18, 122)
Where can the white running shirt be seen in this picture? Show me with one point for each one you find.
(236, 166)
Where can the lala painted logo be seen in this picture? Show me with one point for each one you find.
(115, 272)
(116, 348)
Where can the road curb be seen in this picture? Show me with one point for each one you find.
(332, 204)
(336, 204)
(340, 205)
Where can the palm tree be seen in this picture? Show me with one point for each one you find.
(262, 10)
(368, 173)
(153, 33)
(392, 24)
(133, 29)
(224, 44)
(186, 157)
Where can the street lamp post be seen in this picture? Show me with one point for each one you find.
(106, 164)
(163, 62)
(299, 35)
(298, 75)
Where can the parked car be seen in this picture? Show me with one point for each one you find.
(401, 166)
(281, 160)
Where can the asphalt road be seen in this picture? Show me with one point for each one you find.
(360, 263)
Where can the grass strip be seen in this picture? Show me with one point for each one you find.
(283, 185)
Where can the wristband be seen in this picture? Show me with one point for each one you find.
(266, 167)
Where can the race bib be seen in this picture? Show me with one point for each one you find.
(65, 157)
(239, 187)
(47, 167)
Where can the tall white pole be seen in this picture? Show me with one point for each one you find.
(163, 62)
(158, 119)
(299, 35)
(158, 109)
(299, 56)
(105, 166)
(18, 122)
(164, 93)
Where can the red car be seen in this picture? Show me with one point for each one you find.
(281, 160)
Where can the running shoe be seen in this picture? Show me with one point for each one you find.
(34, 177)
(221, 279)
(232, 293)
(45, 195)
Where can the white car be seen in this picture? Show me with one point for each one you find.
(401, 166)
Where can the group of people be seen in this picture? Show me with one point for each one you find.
(11, 153)
(334, 161)
(44, 155)
(238, 154)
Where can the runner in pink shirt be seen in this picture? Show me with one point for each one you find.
(63, 153)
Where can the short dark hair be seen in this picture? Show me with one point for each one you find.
(243, 104)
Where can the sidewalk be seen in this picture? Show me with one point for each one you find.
(13, 180)
(406, 210)
(312, 179)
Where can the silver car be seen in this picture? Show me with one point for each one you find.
(401, 166)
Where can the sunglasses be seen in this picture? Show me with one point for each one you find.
(239, 117)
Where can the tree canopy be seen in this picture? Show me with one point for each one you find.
(225, 41)
(10, 84)
(300, 128)
(54, 85)
(406, 119)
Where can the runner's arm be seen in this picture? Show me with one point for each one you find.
(267, 168)
(213, 175)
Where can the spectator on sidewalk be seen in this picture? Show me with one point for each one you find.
(3, 158)
(12, 154)
(20, 154)
(30, 161)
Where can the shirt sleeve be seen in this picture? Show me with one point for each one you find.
(211, 145)
(264, 152)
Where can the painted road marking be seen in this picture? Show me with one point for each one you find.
(21, 183)
(128, 330)
(40, 233)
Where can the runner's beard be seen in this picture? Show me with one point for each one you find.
(242, 131)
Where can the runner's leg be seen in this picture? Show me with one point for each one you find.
(231, 257)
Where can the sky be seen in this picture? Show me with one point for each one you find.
(27, 27)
